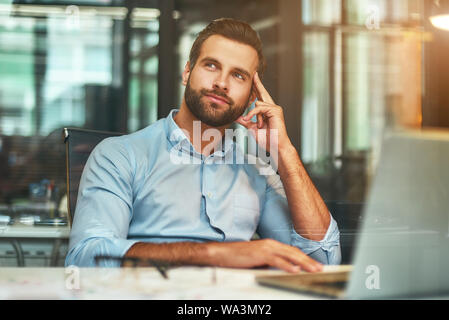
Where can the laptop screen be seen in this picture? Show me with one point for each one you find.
(403, 246)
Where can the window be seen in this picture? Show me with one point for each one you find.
(361, 76)
(89, 64)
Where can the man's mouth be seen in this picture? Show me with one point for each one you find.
(217, 99)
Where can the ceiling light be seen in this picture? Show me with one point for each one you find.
(440, 14)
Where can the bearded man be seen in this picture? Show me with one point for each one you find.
(135, 201)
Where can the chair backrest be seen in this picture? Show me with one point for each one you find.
(79, 143)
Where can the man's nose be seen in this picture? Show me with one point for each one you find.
(221, 83)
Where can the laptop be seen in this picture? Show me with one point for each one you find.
(402, 247)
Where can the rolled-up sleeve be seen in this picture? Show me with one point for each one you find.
(275, 222)
(327, 250)
(104, 206)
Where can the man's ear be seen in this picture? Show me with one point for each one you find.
(186, 73)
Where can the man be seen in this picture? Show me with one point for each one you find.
(137, 200)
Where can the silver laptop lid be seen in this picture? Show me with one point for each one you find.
(403, 247)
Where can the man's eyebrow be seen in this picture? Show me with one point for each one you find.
(243, 71)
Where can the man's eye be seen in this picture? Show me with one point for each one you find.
(210, 65)
(239, 76)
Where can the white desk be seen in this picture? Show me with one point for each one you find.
(30, 231)
(17, 232)
(184, 283)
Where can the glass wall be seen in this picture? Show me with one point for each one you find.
(316, 112)
(64, 66)
(143, 70)
(85, 64)
(362, 76)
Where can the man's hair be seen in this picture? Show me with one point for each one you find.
(234, 30)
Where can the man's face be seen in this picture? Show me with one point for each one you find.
(219, 87)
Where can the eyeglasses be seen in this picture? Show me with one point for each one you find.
(134, 262)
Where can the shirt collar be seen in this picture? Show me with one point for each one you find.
(179, 140)
(174, 133)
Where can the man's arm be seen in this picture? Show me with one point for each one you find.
(309, 214)
(228, 254)
(103, 210)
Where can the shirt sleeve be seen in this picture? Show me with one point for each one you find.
(275, 223)
(104, 207)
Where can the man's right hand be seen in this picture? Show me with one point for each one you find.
(260, 253)
(244, 254)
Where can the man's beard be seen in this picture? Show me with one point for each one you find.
(210, 113)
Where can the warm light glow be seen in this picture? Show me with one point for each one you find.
(440, 21)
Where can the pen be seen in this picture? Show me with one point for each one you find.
(135, 262)
(161, 269)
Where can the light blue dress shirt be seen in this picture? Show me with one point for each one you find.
(138, 187)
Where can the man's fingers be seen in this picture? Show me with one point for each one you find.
(285, 265)
(256, 93)
(258, 110)
(262, 253)
(294, 263)
(246, 123)
(305, 262)
(299, 258)
(263, 93)
(259, 121)
(259, 117)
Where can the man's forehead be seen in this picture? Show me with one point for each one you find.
(231, 52)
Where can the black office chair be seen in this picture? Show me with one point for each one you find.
(79, 144)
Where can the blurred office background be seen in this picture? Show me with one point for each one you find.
(345, 71)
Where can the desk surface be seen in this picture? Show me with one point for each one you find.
(191, 283)
(31, 231)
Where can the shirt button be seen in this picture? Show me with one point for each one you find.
(209, 194)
